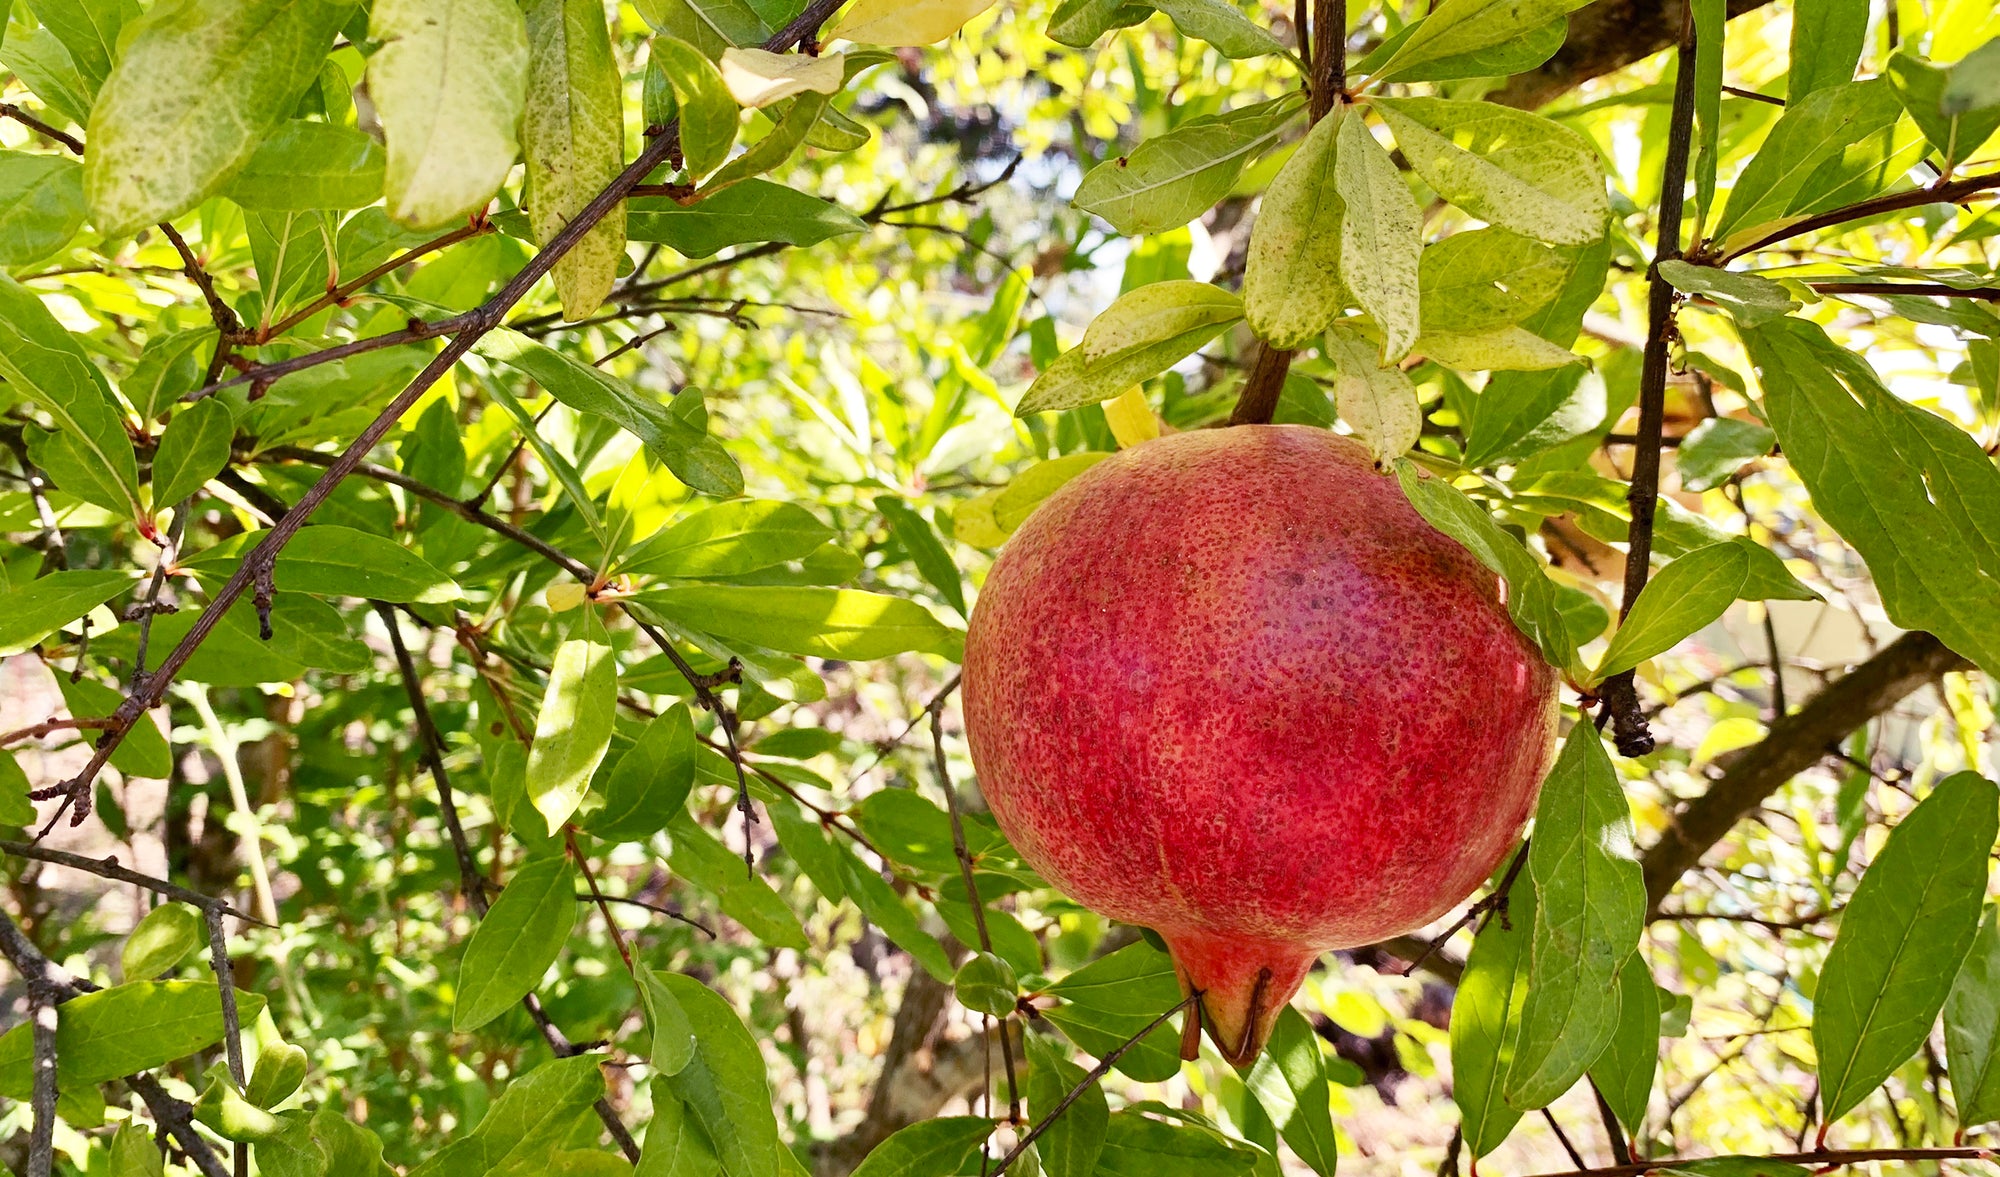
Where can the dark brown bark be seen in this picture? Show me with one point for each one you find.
(1603, 37)
(1795, 743)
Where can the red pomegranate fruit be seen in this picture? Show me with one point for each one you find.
(1230, 686)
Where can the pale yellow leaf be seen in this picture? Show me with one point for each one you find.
(907, 23)
(1131, 418)
(757, 78)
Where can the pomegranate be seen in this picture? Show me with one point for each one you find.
(1230, 686)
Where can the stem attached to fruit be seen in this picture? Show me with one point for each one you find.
(1621, 701)
(1327, 85)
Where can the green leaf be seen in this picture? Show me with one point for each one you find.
(744, 897)
(281, 1068)
(1513, 56)
(15, 807)
(1136, 1145)
(1974, 83)
(708, 114)
(516, 942)
(729, 539)
(1220, 24)
(212, 77)
(524, 1125)
(927, 1148)
(820, 622)
(332, 561)
(1078, 23)
(1522, 413)
(121, 1031)
(676, 435)
(1513, 169)
(709, 25)
(886, 910)
(41, 205)
(1137, 337)
(1715, 449)
(170, 366)
(46, 365)
(1069, 1147)
(926, 550)
(1835, 145)
(48, 603)
(1381, 236)
(133, 1153)
(1590, 906)
(1624, 1072)
(987, 984)
(1709, 17)
(1458, 27)
(775, 149)
(1291, 279)
(1736, 1167)
(673, 1037)
(1972, 1028)
(307, 165)
(806, 842)
(1290, 1083)
(37, 57)
(1920, 86)
(1531, 599)
(1483, 279)
(676, 1146)
(1378, 403)
(573, 729)
(88, 29)
(1912, 492)
(1687, 595)
(573, 136)
(1751, 299)
(449, 84)
(1486, 1021)
(1909, 926)
(1111, 999)
(161, 941)
(650, 783)
(1827, 39)
(724, 1085)
(1168, 181)
(193, 449)
(989, 519)
(912, 830)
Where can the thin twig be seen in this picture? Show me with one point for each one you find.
(1495, 903)
(1097, 1073)
(1942, 192)
(964, 856)
(225, 984)
(1619, 693)
(9, 110)
(656, 908)
(109, 868)
(1822, 1158)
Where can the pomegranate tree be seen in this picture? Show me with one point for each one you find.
(1230, 686)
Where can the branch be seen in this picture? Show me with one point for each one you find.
(1795, 743)
(1821, 1160)
(257, 565)
(1620, 695)
(109, 868)
(1929, 289)
(1941, 192)
(1604, 37)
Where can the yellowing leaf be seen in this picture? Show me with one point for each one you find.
(1291, 280)
(902, 23)
(1378, 403)
(573, 730)
(1381, 236)
(1131, 418)
(1510, 349)
(757, 77)
(448, 85)
(574, 138)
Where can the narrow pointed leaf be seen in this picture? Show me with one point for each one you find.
(1381, 236)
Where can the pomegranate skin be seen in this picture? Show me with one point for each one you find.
(1229, 685)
